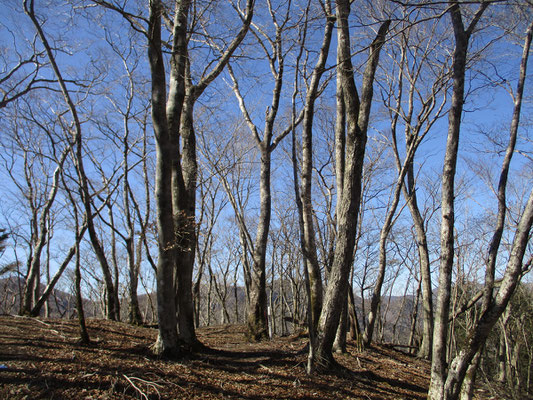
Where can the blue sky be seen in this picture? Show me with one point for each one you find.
(488, 108)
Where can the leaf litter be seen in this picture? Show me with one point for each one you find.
(43, 359)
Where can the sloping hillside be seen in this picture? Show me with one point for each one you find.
(42, 359)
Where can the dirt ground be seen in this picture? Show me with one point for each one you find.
(41, 359)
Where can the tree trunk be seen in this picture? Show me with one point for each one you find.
(257, 306)
(502, 348)
(502, 207)
(403, 171)
(184, 199)
(116, 274)
(134, 311)
(167, 342)
(35, 311)
(308, 243)
(424, 350)
(477, 337)
(357, 115)
(354, 328)
(438, 366)
(467, 390)
(414, 318)
(339, 345)
(179, 112)
(78, 160)
(448, 385)
(84, 334)
(32, 288)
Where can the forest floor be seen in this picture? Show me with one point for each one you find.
(42, 359)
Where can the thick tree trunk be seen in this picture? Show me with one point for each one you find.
(339, 344)
(502, 348)
(167, 151)
(180, 107)
(184, 199)
(33, 277)
(257, 306)
(467, 390)
(357, 116)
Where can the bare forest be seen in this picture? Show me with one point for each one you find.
(266, 199)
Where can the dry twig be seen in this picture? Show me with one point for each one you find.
(149, 384)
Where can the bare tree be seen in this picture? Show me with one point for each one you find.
(20, 74)
(275, 51)
(130, 106)
(177, 168)
(113, 307)
(41, 217)
(211, 208)
(356, 111)
(304, 190)
(84, 334)
(446, 382)
(418, 108)
(232, 161)
(494, 245)
(462, 36)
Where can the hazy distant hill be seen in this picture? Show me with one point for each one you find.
(62, 305)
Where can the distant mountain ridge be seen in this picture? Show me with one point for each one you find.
(62, 305)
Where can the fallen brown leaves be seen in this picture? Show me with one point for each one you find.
(43, 360)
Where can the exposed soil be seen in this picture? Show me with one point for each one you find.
(42, 359)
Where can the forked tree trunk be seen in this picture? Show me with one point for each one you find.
(468, 386)
(176, 170)
(357, 116)
(167, 343)
(257, 319)
(32, 289)
(478, 336)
